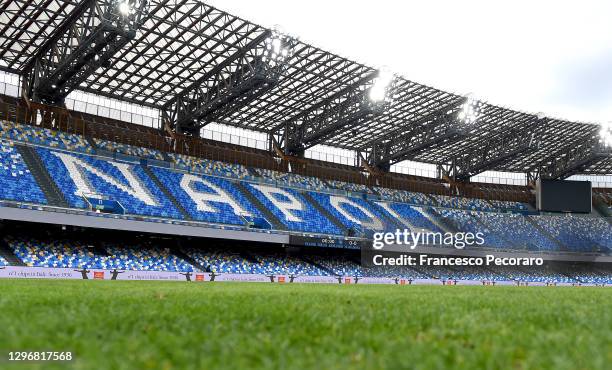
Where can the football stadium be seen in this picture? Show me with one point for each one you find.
(184, 188)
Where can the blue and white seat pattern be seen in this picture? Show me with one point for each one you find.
(16, 181)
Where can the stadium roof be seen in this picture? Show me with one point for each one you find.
(181, 40)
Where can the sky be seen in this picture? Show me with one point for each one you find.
(544, 56)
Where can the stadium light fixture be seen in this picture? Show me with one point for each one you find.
(278, 48)
(381, 89)
(605, 134)
(471, 111)
(124, 8)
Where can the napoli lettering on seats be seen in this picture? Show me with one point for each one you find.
(76, 166)
(285, 206)
(337, 201)
(203, 199)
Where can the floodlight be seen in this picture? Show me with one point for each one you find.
(124, 8)
(278, 48)
(605, 134)
(470, 111)
(382, 86)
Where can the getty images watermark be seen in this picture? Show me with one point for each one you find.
(394, 243)
(412, 239)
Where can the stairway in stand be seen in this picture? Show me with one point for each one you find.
(9, 255)
(267, 214)
(53, 194)
(167, 193)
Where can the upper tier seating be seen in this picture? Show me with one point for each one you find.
(349, 186)
(210, 167)
(578, 233)
(16, 181)
(294, 180)
(472, 204)
(505, 205)
(517, 230)
(227, 206)
(404, 196)
(467, 221)
(127, 149)
(292, 209)
(351, 212)
(123, 182)
(43, 136)
(414, 215)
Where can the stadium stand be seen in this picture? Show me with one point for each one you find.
(292, 209)
(131, 150)
(271, 262)
(98, 253)
(209, 193)
(467, 221)
(347, 209)
(78, 175)
(477, 273)
(405, 196)
(222, 260)
(473, 204)
(43, 136)
(539, 274)
(16, 181)
(393, 272)
(349, 186)
(578, 233)
(517, 230)
(74, 254)
(294, 180)
(415, 216)
(588, 274)
(207, 198)
(210, 167)
(505, 205)
(138, 257)
(338, 265)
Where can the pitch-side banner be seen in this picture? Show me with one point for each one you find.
(21, 272)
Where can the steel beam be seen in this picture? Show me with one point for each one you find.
(404, 143)
(86, 41)
(344, 110)
(234, 83)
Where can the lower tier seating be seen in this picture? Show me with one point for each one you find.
(75, 254)
(239, 258)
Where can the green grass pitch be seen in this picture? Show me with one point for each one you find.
(179, 325)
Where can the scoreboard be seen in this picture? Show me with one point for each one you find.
(326, 242)
(564, 196)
